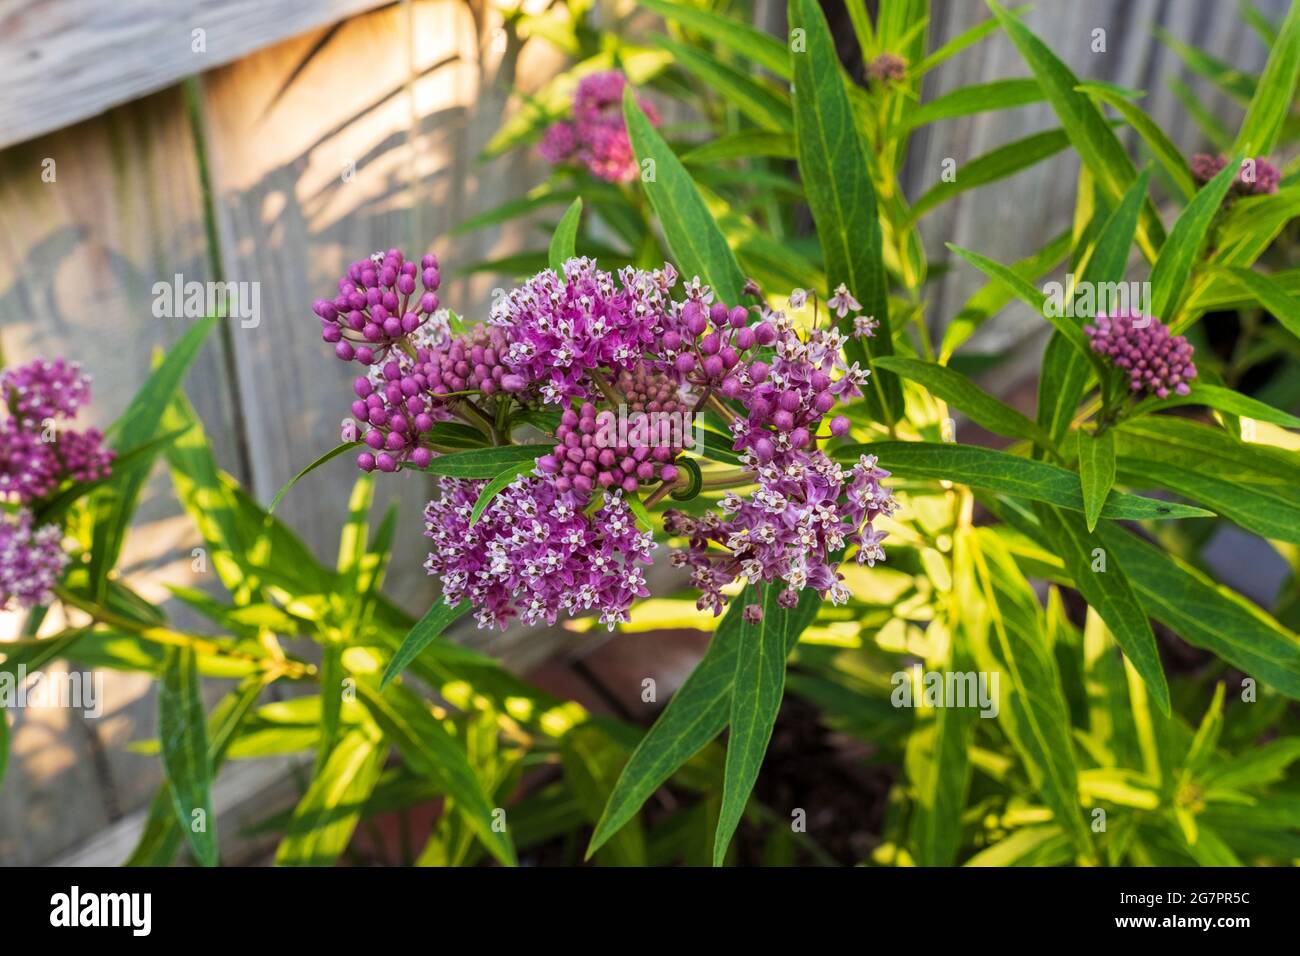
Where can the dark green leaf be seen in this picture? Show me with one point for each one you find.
(436, 620)
(1008, 474)
(182, 732)
(1096, 472)
(485, 462)
(565, 237)
(693, 236)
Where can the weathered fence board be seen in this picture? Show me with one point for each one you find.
(65, 60)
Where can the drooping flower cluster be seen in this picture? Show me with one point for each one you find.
(1156, 361)
(534, 552)
(596, 137)
(378, 306)
(1256, 177)
(36, 458)
(31, 561)
(791, 531)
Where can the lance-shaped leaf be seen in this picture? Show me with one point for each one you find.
(762, 48)
(1223, 400)
(114, 503)
(1272, 295)
(565, 237)
(754, 99)
(1008, 474)
(1109, 592)
(834, 164)
(1032, 707)
(976, 98)
(696, 242)
(182, 733)
(1096, 472)
(755, 700)
(430, 751)
(485, 462)
(958, 391)
(436, 620)
(1174, 265)
(1169, 155)
(324, 819)
(1090, 134)
(1275, 92)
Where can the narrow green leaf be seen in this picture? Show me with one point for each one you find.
(430, 751)
(1271, 295)
(755, 700)
(163, 833)
(496, 486)
(693, 236)
(1169, 155)
(1009, 474)
(1275, 92)
(1096, 472)
(1071, 331)
(995, 294)
(998, 163)
(964, 40)
(833, 162)
(1032, 710)
(1110, 594)
(763, 48)
(1224, 400)
(742, 145)
(114, 504)
(976, 98)
(564, 239)
(958, 391)
(324, 819)
(436, 620)
(182, 731)
(1083, 122)
(485, 462)
(695, 715)
(323, 459)
(1173, 266)
(759, 102)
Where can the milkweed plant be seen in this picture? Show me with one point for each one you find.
(718, 400)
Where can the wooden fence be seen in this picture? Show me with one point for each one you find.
(327, 130)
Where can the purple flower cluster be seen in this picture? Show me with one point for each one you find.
(31, 561)
(806, 510)
(1257, 177)
(596, 137)
(534, 552)
(790, 532)
(1142, 346)
(564, 328)
(35, 455)
(378, 306)
(590, 452)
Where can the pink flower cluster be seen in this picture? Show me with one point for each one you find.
(35, 455)
(596, 137)
(806, 510)
(36, 458)
(31, 561)
(1257, 177)
(1142, 346)
(535, 552)
(600, 346)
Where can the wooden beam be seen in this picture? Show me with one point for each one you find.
(66, 60)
